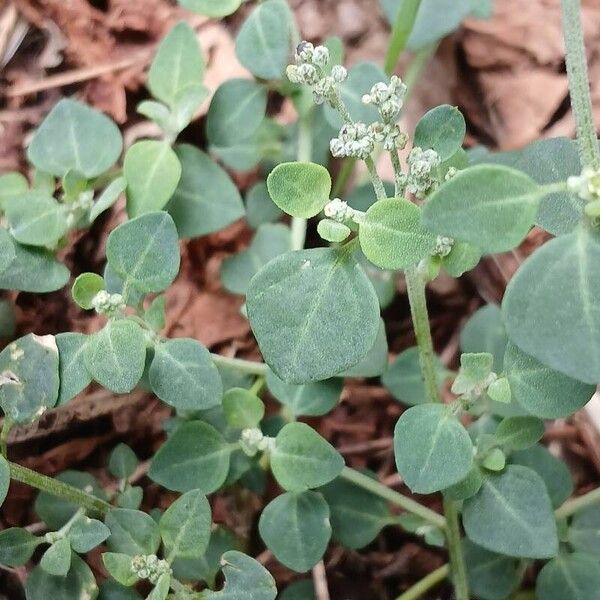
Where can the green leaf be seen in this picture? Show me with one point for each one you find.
(492, 207)
(242, 409)
(108, 197)
(499, 390)
(11, 185)
(111, 590)
(357, 515)
(361, 78)
(122, 461)
(484, 332)
(212, 8)
(301, 459)
(584, 532)
(245, 579)
(115, 356)
(310, 400)
(332, 231)
(57, 559)
(491, 576)
(145, 252)
(195, 456)
(36, 219)
(131, 497)
(206, 199)
(553, 471)
(4, 479)
(152, 171)
(519, 433)
(73, 374)
(433, 450)
(540, 390)
(375, 362)
(85, 287)
(512, 514)
(185, 526)
(55, 511)
(314, 340)
(17, 546)
(300, 189)
(177, 64)
(7, 250)
(270, 241)
(73, 184)
(299, 590)
(132, 532)
(85, 534)
(403, 378)
(74, 136)
(29, 377)
(78, 583)
(548, 161)
(494, 460)
(475, 369)
(183, 375)
(236, 111)
(559, 324)
(263, 42)
(392, 235)
(467, 487)
(33, 270)
(259, 206)
(155, 315)
(295, 527)
(442, 129)
(161, 588)
(569, 577)
(119, 568)
(462, 258)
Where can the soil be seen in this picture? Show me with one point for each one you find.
(508, 77)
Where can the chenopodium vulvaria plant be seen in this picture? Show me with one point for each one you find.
(316, 316)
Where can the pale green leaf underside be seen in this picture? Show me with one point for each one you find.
(569, 577)
(392, 235)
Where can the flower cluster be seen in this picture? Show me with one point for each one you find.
(309, 70)
(108, 304)
(421, 171)
(389, 134)
(443, 246)
(355, 140)
(253, 441)
(586, 185)
(150, 567)
(339, 211)
(388, 98)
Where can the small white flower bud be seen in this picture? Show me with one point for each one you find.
(320, 56)
(304, 52)
(292, 74)
(339, 73)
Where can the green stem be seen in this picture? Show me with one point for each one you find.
(257, 386)
(377, 183)
(407, 15)
(423, 586)
(304, 155)
(6, 427)
(397, 173)
(579, 85)
(457, 559)
(415, 285)
(59, 489)
(381, 490)
(250, 367)
(570, 507)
